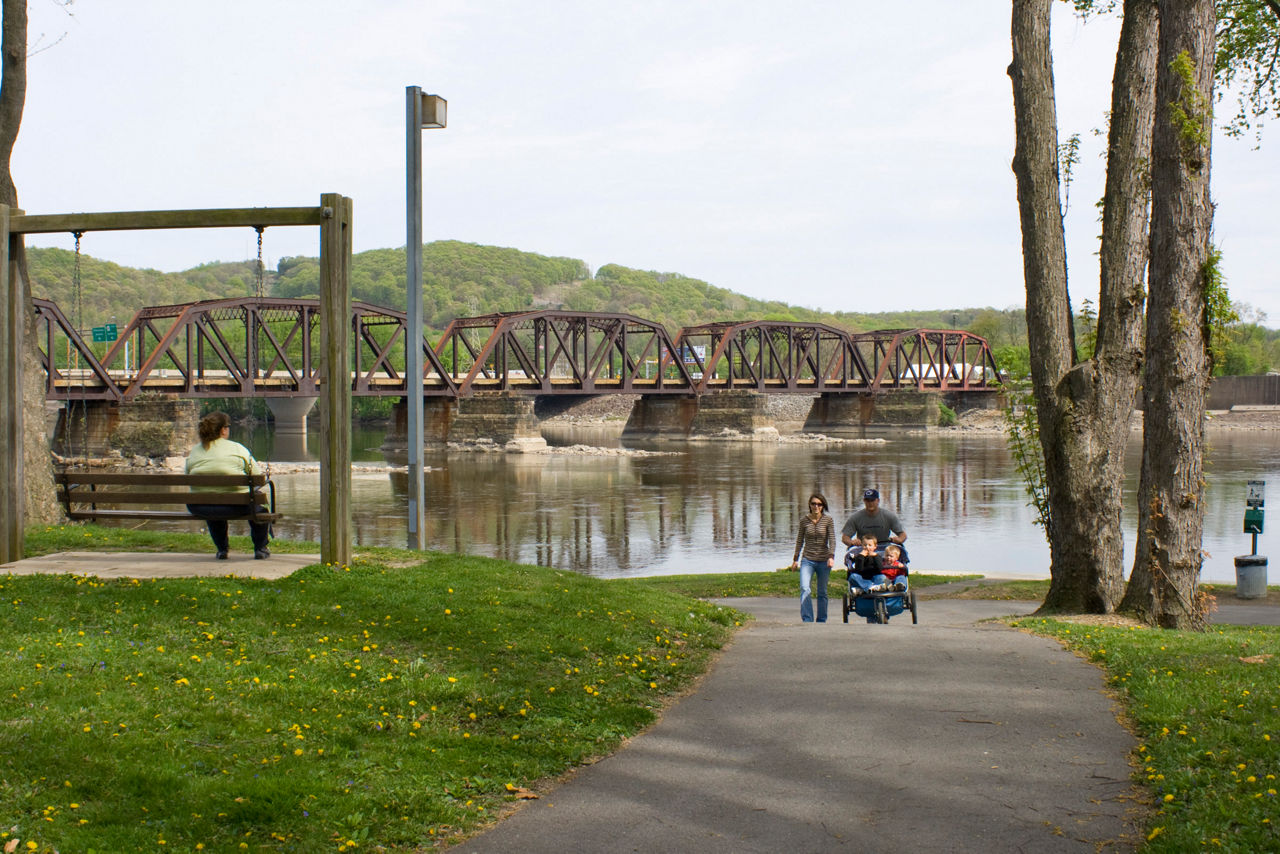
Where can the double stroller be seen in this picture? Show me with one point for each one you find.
(883, 602)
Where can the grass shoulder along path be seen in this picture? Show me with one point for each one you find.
(1206, 709)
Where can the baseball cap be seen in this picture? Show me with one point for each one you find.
(870, 495)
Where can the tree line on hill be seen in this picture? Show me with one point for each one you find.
(467, 279)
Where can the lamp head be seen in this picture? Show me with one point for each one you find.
(432, 109)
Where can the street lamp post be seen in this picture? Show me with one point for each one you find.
(421, 111)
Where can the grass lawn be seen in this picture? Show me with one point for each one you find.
(332, 709)
(410, 697)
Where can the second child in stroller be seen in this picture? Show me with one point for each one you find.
(870, 572)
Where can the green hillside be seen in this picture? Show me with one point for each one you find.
(459, 280)
(466, 279)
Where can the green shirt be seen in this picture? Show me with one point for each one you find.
(223, 456)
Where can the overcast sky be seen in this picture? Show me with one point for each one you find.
(839, 155)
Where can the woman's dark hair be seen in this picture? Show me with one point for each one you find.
(820, 497)
(211, 427)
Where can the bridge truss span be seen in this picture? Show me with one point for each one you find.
(266, 347)
(772, 356)
(246, 347)
(928, 360)
(559, 352)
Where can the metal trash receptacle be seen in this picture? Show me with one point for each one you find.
(1251, 577)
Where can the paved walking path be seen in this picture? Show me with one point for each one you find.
(947, 736)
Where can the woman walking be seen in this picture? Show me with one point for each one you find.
(815, 555)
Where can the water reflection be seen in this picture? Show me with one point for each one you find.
(716, 507)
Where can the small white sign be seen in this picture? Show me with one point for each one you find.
(1257, 495)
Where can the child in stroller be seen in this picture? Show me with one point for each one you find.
(877, 582)
(873, 572)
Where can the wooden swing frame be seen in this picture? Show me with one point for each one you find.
(334, 218)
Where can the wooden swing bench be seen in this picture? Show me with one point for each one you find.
(135, 495)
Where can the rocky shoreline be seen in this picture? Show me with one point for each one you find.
(789, 412)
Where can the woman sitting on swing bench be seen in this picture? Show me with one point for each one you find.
(217, 454)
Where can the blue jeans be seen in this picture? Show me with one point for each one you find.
(215, 517)
(865, 583)
(808, 569)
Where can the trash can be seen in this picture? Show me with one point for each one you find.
(1251, 577)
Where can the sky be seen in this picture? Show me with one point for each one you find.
(838, 155)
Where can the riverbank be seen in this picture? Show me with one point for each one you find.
(789, 412)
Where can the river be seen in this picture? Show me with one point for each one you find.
(732, 507)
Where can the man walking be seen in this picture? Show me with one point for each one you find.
(875, 521)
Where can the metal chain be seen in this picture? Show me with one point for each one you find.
(261, 294)
(78, 300)
(261, 270)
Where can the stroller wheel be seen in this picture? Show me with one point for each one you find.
(846, 608)
(882, 614)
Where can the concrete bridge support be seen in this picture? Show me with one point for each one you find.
(711, 414)
(834, 414)
(437, 417)
(743, 412)
(149, 426)
(498, 417)
(290, 426)
(290, 414)
(659, 416)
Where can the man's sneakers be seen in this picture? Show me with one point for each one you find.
(261, 554)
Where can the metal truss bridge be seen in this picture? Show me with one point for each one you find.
(267, 347)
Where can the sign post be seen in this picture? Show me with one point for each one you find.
(1251, 569)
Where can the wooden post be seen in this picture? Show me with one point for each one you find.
(335, 400)
(12, 314)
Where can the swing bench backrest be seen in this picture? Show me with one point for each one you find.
(116, 495)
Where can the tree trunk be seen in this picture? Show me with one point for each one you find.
(1083, 409)
(1171, 511)
(40, 508)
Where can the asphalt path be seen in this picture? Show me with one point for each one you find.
(953, 735)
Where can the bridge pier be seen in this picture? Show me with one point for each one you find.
(499, 417)
(290, 414)
(834, 414)
(149, 426)
(437, 416)
(670, 416)
(743, 412)
(661, 416)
